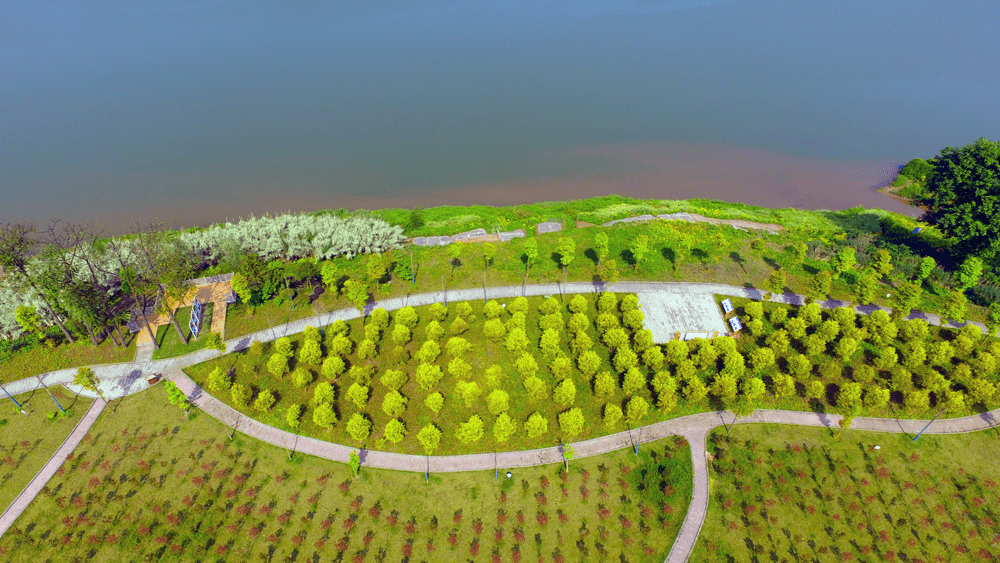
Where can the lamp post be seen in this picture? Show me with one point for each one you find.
(19, 405)
(928, 426)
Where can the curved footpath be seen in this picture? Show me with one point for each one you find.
(119, 380)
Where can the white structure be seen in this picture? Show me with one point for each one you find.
(670, 316)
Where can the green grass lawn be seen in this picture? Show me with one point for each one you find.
(251, 370)
(39, 359)
(784, 493)
(149, 484)
(171, 344)
(27, 442)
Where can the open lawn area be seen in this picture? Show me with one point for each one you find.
(150, 484)
(171, 344)
(38, 358)
(784, 493)
(27, 442)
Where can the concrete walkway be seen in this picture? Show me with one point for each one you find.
(124, 379)
(55, 462)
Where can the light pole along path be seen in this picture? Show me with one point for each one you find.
(123, 379)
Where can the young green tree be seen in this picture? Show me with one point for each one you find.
(333, 367)
(301, 377)
(571, 422)
(435, 402)
(517, 341)
(612, 415)
(428, 375)
(357, 293)
(469, 391)
(605, 385)
(633, 381)
(394, 379)
(293, 415)
(565, 393)
(240, 394)
(625, 359)
(277, 364)
(367, 350)
(906, 297)
(429, 351)
(784, 386)
(579, 306)
(865, 286)
(562, 367)
(566, 251)
(470, 431)
(530, 255)
(876, 397)
(219, 380)
(536, 388)
(340, 345)
(777, 282)
(394, 431)
(819, 285)
(536, 425)
(86, 378)
(849, 397)
(636, 410)
(846, 348)
(359, 427)
(955, 306)
(778, 341)
(430, 438)
(815, 389)
(324, 416)
(800, 250)
(324, 393)
(358, 394)
(498, 401)
(549, 343)
(927, 265)
(601, 247)
(652, 358)
(394, 404)
(401, 334)
(526, 365)
(844, 261)
(494, 329)
(265, 400)
(489, 253)
(639, 249)
(503, 428)
(882, 262)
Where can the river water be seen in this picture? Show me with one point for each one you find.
(192, 111)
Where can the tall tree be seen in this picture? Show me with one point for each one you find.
(566, 250)
(489, 253)
(965, 188)
(601, 247)
(530, 255)
(16, 243)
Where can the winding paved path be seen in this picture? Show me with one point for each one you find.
(119, 380)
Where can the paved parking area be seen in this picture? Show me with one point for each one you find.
(668, 313)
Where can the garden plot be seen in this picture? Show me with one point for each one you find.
(670, 313)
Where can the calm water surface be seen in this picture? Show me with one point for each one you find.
(192, 111)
